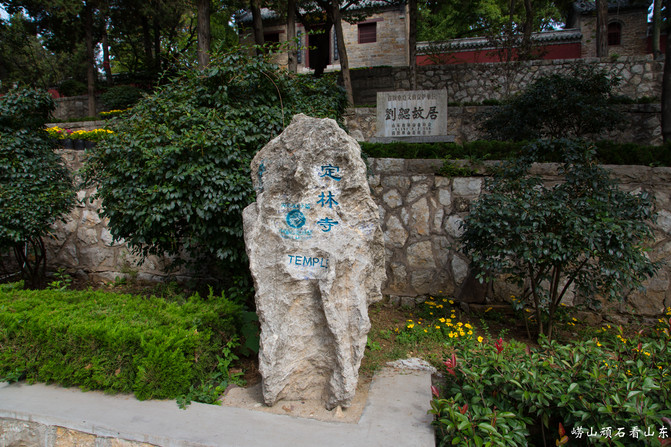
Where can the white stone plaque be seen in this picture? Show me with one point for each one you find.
(418, 114)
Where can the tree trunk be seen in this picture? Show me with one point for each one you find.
(525, 50)
(292, 63)
(157, 45)
(146, 41)
(656, 28)
(412, 42)
(31, 257)
(257, 23)
(601, 28)
(90, 59)
(203, 34)
(666, 91)
(336, 17)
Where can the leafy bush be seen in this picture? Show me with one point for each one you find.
(116, 343)
(607, 152)
(71, 87)
(485, 150)
(583, 232)
(589, 392)
(557, 106)
(35, 187)
(174, 177)
(121, 96)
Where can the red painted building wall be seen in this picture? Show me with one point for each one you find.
(559, 51)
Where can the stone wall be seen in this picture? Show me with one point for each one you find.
(466, 83)
(641, 124)
(634, 30)
(20, 433)
(390, 48)
(420, 214)
(83, 245)
(75, 107)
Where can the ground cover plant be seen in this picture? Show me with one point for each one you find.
(36, 188)
(499, 387)
(151, 347)
(609, 388)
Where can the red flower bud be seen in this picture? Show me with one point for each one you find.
(435, 391)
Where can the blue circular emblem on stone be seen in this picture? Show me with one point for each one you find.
(295, 219)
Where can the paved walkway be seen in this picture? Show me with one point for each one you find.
(395, 415)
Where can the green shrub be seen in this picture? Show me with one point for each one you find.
(174, 176)
(510, 394)
(115, 343)
(36, 188)
(121, 96)
(71, 87)
(584, 232)
(607, 152)
(557, 106)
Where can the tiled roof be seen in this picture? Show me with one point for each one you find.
(480, 43)
(269, 14)
(587, 6)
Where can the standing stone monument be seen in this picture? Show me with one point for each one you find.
(316, 254)
(412, 116)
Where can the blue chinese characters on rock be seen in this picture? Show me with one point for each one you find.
(321, 214)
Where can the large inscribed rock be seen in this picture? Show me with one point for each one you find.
(316, 253)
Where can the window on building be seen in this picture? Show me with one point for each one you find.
(272, 37)
(614, 33)
(367, 32)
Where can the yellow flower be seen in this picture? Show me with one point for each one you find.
(425, 330)
(598, 344)
(468, 326)
(488, 309)
(460, 324)
(470, 332)
(449, 320)
(440, 306)
(451, 302)
(480, 339)
(647, 353)
(410, 326)
(442, 320)
(437, 327)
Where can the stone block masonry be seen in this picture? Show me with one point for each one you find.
(420, 215)
(473, 83)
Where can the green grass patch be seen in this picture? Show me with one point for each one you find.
(118, 343)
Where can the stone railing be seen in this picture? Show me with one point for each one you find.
(420, 215)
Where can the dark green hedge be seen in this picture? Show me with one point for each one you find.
(111, 342)
(607, 152)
